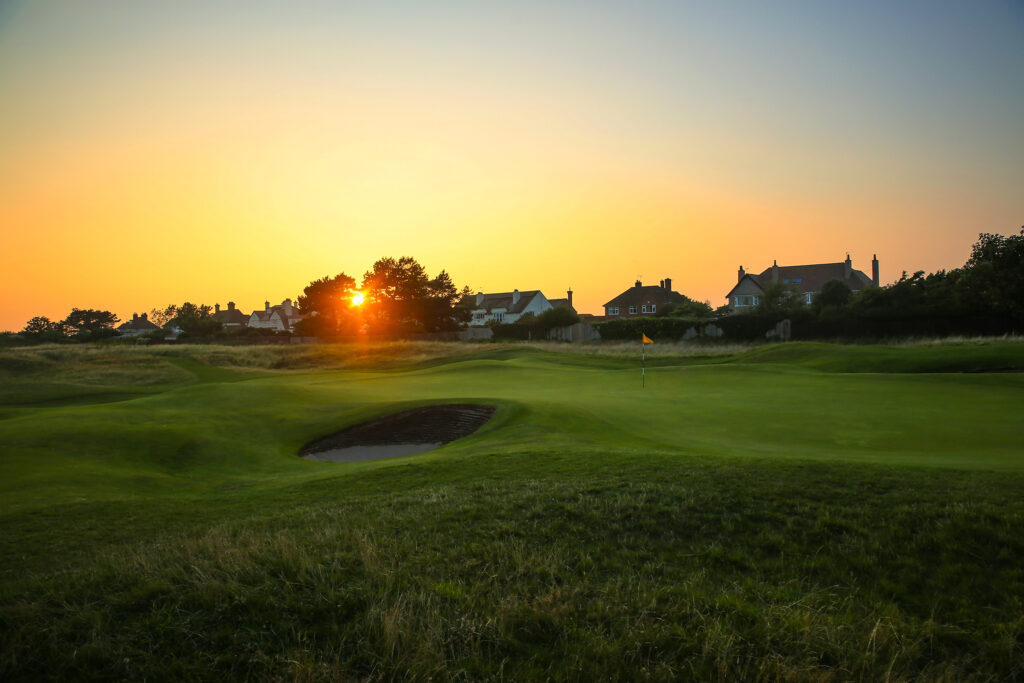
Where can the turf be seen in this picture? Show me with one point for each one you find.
(798, 511)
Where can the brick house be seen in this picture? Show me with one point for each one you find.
(807, 280)
(640, 300)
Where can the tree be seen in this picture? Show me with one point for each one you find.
(439, 310)
(90, 324)
(686, 309)
(195, 320)
(393, 289)
(780, 299)
(833, 293)
(560, 316)
(327, 305)
(993, 277)
(161, 317)
(42, 329)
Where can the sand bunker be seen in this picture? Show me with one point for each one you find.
(406, 433)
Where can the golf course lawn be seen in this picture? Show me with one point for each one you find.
(799, 512)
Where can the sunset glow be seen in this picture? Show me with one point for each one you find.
(357, 299)
(157, 153)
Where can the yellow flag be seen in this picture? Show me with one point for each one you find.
(646, 339)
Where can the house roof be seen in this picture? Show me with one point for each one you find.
(137, 324)
(501, 300)
(231, 316)
(637, 294)
(809, 278)
(555, 303)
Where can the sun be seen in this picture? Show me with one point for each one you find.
(357, 298)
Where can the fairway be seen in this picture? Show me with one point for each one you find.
(800, 511)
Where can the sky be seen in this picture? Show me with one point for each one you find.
(153, 152)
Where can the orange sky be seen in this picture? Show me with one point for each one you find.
(152, 156)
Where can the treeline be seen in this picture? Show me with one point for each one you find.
(395, 297)
(532, 326)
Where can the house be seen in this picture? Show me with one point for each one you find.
(806, 279)
(138, 325)
(641, 300)
(231, 317)
(563, 303)
(281, 317)
(506, 307)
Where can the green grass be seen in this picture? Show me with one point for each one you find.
(798, 512)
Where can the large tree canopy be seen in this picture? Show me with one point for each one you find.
(87, 323)
(327, 305)
(402, 297)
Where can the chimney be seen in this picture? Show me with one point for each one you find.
(216, 308)
(741, 274)
(135, 316)
(874, 270)
(570, 298)
(661, 283)
(266, 306)
(143, 316)
(231, 305)
(479, 298)
(668, 284)
(515, 296)
(638, 284)
(847, 268)
(775, 271)
(287, 306)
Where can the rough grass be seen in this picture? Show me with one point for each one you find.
(771, 514)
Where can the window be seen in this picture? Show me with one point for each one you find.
(745, 300)
(649, 308)
(808, 297)
(613, 310)
(632, 310)
(797, 280)
(499, 316)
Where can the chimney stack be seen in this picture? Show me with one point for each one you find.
(847, 267)
(668, 284)
(570, 298)
(216, 308)
(266, 306)
(479, 298)
(775, 271)
(874, 270)
(287, 306)
(515, 296)
(143, 316)
(638, 284)
(741, 274)
(135, 316)
(231, 305)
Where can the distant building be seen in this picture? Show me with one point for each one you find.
(231, 317)
(139, 324)
(641, 300)
(507, 307)
(563, 303)
(281, 317)
(806, 279)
